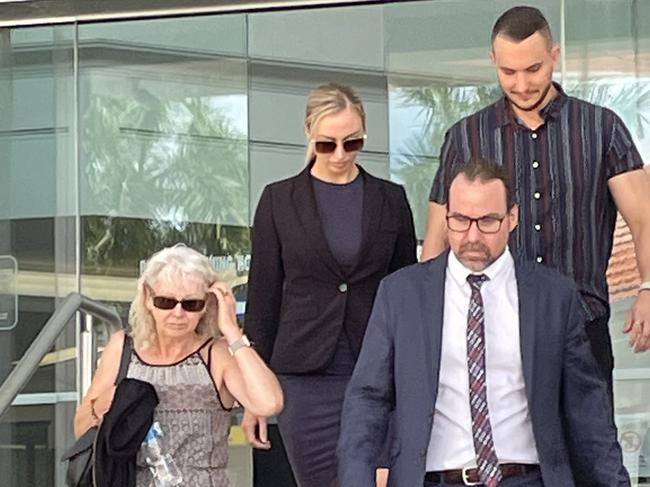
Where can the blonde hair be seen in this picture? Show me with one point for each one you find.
(172, 264)
(329, 99)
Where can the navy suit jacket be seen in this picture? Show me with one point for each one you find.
(400, 361)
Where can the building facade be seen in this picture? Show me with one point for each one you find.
(123, 134)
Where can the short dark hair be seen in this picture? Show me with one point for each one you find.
(521, 22)
(485, 171)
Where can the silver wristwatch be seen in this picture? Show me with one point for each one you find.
(237, 344)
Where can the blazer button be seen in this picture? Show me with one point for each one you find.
(343, 287)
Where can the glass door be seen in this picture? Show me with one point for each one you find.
(38, 245)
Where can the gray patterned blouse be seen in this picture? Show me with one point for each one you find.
(195, 423)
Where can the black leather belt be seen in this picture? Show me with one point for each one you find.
(469, 476)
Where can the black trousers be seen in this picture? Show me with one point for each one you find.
(271, 467)
(601, 346)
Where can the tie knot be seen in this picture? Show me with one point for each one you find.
(476, 280)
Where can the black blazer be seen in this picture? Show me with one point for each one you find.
(299, 298)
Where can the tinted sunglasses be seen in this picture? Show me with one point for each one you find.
(329, 146)
(191, 305)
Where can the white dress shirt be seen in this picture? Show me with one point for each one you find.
(451, 445)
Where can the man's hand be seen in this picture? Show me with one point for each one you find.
(637, 323)
(256, 431)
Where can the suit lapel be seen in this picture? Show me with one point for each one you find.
(433, 314)
(527, 325)
(304, 202)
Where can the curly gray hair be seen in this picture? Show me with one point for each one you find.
(172, 264)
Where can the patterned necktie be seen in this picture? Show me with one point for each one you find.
(486, 456)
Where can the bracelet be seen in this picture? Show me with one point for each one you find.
(645, 286)
(237, 344)
(92, 410)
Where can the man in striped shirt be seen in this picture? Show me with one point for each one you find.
(573, 164)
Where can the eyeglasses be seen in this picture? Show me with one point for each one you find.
(191, 305)
(329, 146)
(485, 224)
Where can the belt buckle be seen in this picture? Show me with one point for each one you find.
(465, 475)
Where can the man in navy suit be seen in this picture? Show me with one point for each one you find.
(483, 362)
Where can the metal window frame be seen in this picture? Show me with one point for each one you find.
(46, 12)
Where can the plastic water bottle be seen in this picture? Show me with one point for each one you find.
(163, 468)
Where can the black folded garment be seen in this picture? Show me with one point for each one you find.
(122, 431)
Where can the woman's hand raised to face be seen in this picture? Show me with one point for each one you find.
(226, 311)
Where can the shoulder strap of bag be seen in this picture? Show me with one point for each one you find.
(126, 358)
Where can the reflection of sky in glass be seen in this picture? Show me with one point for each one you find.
(174, 216)
(212, 125)
(231, 108)
(235, 109)
(417, 129)
(406, 120)
(628, 97)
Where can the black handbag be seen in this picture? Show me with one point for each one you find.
(80, 455)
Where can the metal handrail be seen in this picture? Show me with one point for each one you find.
(28, 364)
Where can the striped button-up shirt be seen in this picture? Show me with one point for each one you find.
(560, 172)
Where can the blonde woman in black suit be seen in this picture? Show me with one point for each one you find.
(322, 241)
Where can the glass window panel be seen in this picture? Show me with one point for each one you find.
(195, 35)
(344, 37)
(37, 212)
(39, 73)
(164, 148)
(449, 39)
(607, 53)
(163, 117)
(607, 61)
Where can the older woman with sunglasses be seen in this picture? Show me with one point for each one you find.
(187, 343)
(322, 241)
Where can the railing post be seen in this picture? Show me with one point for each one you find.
(87, 355)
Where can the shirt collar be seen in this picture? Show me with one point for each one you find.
(495, 271)
(506, 115)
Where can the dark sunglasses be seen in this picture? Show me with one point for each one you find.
(191, 305)
(329, 146)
